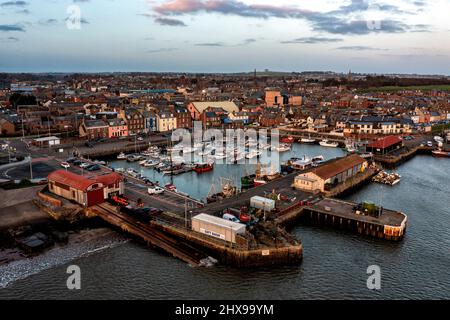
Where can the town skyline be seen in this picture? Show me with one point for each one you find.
(197, 36)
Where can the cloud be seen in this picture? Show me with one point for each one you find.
(312, 40)
(170, 22)
(338, 21)
(162, 50)
(9, 39)
(360, 48)
(11, 28)
(48, 22)
(14, 4)
(210, 44)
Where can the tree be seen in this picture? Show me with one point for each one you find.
(18, 99)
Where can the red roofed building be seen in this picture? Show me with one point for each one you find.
(83, 190)
(385, 145)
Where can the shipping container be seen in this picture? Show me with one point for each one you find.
(262, 203)
(217, 227)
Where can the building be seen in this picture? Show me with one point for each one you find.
(151, 121)
(217, 227)
(117, 128)
(135, 121)
(47, 141)
(94, 129)
(211, 119)
(183, 116)
(330, 174)
(7, 127)
(166, 121)
(274, 98)
(385, 145)
(197, 108)
(83, 190)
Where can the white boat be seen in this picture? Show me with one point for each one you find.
(120, 170)
(303, 163)
(142, 162)
(307, 140)
(150, 163)
(220, 155)
(264, 146)
(317, 158)
(282, 147)
(239, 156)
(253, 153)
(366, 155)
(206, 152)
(132, 172)
(327, 143)
(122, 156)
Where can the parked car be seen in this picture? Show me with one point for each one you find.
(230, 217)
(155, 190)
(77, 162)
(155, 210)
(84, 165)
(65, 165)
(94, 167)
(140, 139)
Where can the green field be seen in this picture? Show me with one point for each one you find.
(396, 89)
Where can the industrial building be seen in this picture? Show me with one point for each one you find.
(385, 145)
(217, 227)
(330, 174)
(83, 190)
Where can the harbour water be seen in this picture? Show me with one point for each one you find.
(334, 264)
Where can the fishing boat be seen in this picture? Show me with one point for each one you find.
(441, 154)
(203, 167)
(350, 147)
(248, 181)
(122, 156)
(327, 143)
(302, 164)
(289, 139)
(267, 173)
(228, 190)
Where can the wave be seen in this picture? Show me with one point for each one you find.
(57, 256)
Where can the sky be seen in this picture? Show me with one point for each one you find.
(366, 36)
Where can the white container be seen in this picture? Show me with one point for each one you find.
(262, 203)
(217, 227)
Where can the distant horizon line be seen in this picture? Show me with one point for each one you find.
(227, 73)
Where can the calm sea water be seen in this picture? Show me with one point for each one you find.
(334, 264)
